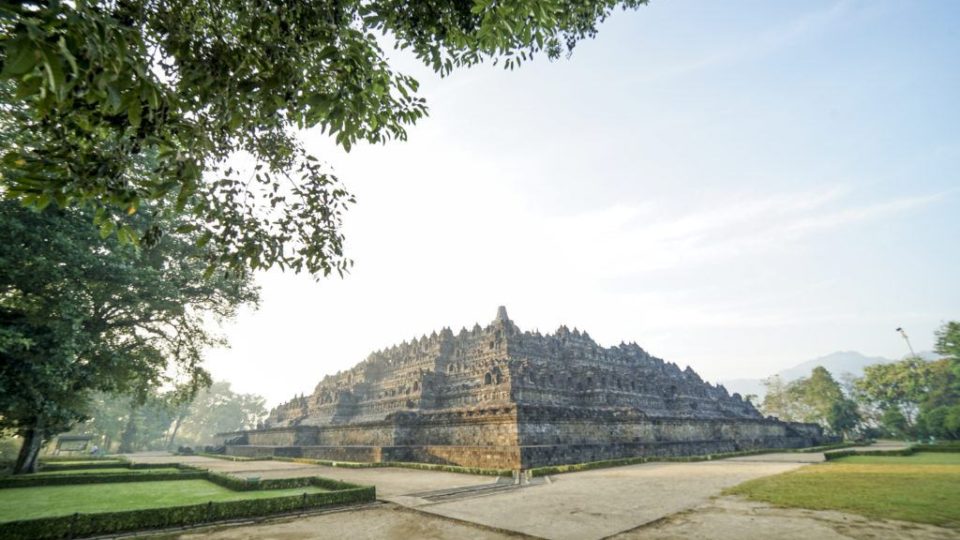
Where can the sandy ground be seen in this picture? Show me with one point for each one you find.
(734, 518)
(387, 522)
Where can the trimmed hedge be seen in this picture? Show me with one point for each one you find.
(105, 478)
(448, 468)
(826, 447)
(847, 453)
(574, 467)
(401, 464)
(326, 462)
(112, 464)
(228, 458)
(55, 459)
(78, 525)
(938, 447)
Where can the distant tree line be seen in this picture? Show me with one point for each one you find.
(164, 422)
(912, 398)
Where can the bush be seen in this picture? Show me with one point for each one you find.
(448, 468)
(619, 462)
(952, 446)
(105, 478)
(82, 465)
(847, 453)
(82, 458)
(231, 458)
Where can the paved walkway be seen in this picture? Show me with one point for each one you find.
(600, 503)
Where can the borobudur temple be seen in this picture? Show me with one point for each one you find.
(498, 397)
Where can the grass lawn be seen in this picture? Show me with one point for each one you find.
(109, 470)
(34, 502)
(924, 487)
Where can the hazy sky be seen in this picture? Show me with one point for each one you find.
(736, 186)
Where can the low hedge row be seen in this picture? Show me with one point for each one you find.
(559, 469)
(103, 478)
(402, 464)
(78, 525)
(328, 462)
(103, 464)
(938, 447)
(827, 447)
(55, 459)
(847, 453)
(448, 468)
(228, 458)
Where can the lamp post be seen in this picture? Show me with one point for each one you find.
(907, 339)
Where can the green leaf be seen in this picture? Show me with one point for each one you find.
(21, 58)
(133, 114)
(106, 229)
(54, 69)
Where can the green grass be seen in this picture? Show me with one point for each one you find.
(109, 470)
(924, 487)
(34, 502)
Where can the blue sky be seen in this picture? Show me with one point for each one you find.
(737, 186)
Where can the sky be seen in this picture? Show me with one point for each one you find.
(736, 186)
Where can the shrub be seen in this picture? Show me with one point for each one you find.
(105, 478)
(81, 465)
(847, 453)
(231, 458)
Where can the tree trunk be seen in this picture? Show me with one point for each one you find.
(176, 428)
(29, 452)
(129, 432)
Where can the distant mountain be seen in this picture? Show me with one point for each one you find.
(838, 364)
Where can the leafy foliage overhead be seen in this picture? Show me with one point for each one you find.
(93, 86)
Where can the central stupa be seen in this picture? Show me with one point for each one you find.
(498, 397)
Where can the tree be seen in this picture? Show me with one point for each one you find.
(218, 409)
(96, 84)
(816, 395)
(896, 392)
(817, 398)
(843, 417)
(81, 314)
(777, 402)
(940, 410)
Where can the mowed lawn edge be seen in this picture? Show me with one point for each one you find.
(922, 488)
(48, 501)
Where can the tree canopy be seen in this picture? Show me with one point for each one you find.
(94, 86)
(818, 398)
(80, 314)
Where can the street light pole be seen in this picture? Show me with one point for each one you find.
(907, 339)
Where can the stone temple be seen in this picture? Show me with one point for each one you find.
(499, 397)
